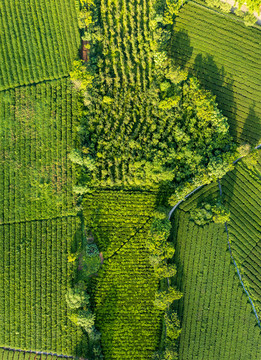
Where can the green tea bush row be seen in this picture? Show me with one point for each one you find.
(40, 44)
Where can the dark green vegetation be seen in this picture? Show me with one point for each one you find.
(217, 319)
(39, 39)
(224, 54)
(35, 275)
(146, 122)
(242, 193)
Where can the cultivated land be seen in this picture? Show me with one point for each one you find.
(225, 56)
(39, 225)
(217, 319)
(39, 40)
(126, 285)
(242, 192)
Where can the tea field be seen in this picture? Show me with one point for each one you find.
(217, 319)
(241, 189)
(39, 40)
(126, 285)
(225, 55)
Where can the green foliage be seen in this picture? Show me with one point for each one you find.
(204, 53)
(249, 19)
(207, 276)
(84, 318)
(38, 128)
(76, 298)
(165, 298)
(147, 123)
(38, 45)
(80, 76)
(241, 189)
(206, 213)
(38, 277)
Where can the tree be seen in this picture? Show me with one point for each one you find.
(76, 298)
(165, 298)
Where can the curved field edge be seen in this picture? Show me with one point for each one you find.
(217, 319)
(201, 41)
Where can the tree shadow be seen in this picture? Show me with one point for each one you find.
(251, 132)
(180, 41)
(220, 84)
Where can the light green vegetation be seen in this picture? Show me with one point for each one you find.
(242, 193)
(38, 40)
(38, 222)
(10, 355)
(217, 319)
(225, 55)
(37, 127)
(35, 274)
(126, 284)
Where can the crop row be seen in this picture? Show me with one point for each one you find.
(117, 216)
(215, 314)
(22, 355)
(242, 195)
(39, 41)
(37, 126)
(125, 290)
(34, 277)
(238, 98)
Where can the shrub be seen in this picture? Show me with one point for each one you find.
(76, 298)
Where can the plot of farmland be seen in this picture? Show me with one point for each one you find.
(37, 131)
(242, 190)
(39, 40)
(217, 319)
(225, 55)
(126, 285)
(34, 277)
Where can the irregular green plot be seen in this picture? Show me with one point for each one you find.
(39, 40)
(34, 277)
(242, 193)
(37, 129)
(217, 319)
(224, 55)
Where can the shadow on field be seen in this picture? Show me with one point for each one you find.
(252, 127)
(220, 84)
(180, 50)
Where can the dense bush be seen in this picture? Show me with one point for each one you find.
(208, 212)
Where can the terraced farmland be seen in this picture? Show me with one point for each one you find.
(39, 40)
(242, 189)
(225, 55)
(217, 319)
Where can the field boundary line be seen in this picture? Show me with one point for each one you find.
(33, 220)
(234, 261)
(37, 352)
(35, 83)
(132, 236)
(199, 187)
(217, 11)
